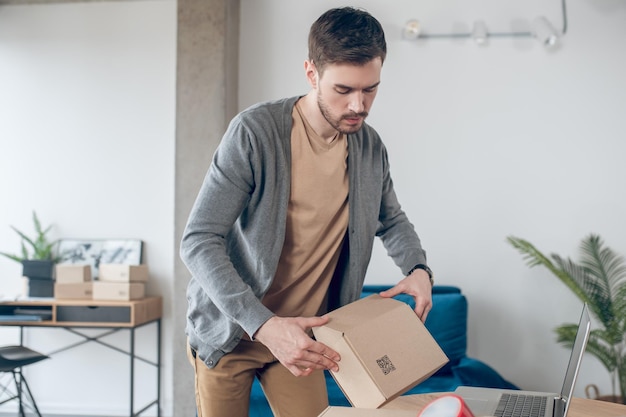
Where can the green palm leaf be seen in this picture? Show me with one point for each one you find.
(596, 345)
(534, 257)
(38, 247)
(598, 279)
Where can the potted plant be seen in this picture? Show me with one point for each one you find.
(598, 279)
(37, 258)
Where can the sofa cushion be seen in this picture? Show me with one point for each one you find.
(447, 322)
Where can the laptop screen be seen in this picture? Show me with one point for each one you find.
(576, 357)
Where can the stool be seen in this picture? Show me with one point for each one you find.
(12, 359)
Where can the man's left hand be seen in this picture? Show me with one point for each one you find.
(417, 285)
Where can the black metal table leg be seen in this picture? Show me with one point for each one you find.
(132, 372)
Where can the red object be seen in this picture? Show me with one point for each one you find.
(448, 405)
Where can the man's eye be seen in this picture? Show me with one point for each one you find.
(342, 91)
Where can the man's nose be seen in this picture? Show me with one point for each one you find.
(357, 102)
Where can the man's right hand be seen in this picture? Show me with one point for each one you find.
(287, 339)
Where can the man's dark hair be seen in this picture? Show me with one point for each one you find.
(346, 35)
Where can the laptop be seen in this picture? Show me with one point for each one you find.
(515, 403)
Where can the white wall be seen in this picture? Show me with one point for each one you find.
(486, 142)
(87, 116)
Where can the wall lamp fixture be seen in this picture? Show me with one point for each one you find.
(541, 29)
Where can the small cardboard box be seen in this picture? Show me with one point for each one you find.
(123, 273)
(72, 274)
(334, 411)
(385, 350)
(121, 291)
(74, 291)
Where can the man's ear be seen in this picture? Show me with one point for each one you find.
(311, 73)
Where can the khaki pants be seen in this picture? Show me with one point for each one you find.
(224, 391)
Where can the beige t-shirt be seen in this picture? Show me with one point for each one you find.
(317, 220)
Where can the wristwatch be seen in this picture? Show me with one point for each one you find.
(425, 268)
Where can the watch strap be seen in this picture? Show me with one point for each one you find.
(425, 268)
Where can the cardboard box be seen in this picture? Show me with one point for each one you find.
(123, 273)
(74, 291)
(72, 274)
(333, 411)
(412, 401)
(385, 350)
(121, 291)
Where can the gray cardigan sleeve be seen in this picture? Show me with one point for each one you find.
(205, 249)
(396, 232)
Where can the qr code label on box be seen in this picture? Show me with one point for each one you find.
(385, 365)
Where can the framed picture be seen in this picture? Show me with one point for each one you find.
(100, 251)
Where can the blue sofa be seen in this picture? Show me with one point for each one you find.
(447, 322)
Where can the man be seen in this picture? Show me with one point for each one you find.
(283, 227)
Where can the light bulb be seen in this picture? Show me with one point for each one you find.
(479, 32)
(545, 32)
(411, 29)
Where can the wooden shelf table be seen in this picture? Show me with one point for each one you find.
(113, 316)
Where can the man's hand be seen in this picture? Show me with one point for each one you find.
(417, 285)
(288, 341)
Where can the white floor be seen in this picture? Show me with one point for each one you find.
(15, 414)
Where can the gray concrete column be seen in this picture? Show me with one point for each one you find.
(206, 100)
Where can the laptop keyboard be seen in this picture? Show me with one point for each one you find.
(515, 405)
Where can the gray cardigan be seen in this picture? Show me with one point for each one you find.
(235, 231)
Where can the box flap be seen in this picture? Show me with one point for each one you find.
(360, 312)
(351, 371)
